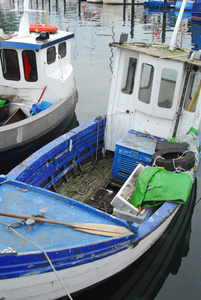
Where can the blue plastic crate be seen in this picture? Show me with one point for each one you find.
(132, 149)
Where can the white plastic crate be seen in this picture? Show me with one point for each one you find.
(122, 199)
(130, 217)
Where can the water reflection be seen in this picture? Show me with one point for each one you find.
(196, 34)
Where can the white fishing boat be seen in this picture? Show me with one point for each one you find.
(90, 203)
(37, 90)
(122, 2)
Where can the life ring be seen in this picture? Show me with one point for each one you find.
(43, 27)
(174, 159)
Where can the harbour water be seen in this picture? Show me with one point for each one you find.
(172, 269)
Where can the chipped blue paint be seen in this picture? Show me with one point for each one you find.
(65, 246)
(38, 167)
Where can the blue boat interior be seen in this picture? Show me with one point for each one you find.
(23, 199)
(60, 162)
(31, 186)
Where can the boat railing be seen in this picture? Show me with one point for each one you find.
(60, 157)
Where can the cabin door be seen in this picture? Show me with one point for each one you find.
(120, 107)
(144, 96)
(157, 95)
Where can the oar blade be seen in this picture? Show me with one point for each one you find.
(102, 227)
(96, 232)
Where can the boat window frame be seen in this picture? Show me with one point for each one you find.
(149, 83)
(29, 65)
(128, 80)
(60, 52)
(14, 71)
(167, 103)
(49, 59)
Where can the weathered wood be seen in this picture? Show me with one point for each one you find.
(86, 185)
(93, 228)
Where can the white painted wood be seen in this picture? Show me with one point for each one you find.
(190, 118)
(57, 77)
(126, 111)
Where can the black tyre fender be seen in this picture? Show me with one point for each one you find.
(171, 159)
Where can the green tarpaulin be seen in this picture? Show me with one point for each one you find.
(156, 185)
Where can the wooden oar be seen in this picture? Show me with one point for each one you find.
(149, 134)
(94, 228)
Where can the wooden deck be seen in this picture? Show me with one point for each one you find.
(91, 184)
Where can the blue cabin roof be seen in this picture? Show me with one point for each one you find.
(30, 42)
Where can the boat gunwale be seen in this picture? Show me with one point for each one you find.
(75, 254)
(38, 118)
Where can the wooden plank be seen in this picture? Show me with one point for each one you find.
(85, 186)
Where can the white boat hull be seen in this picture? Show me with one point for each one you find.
(47, 286)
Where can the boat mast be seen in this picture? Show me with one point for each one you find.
(176, 28)
(24, 22)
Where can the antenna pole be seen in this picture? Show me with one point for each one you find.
(24, 22)
(176, 28)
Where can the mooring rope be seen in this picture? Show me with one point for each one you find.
(9, 228)
(97, 121)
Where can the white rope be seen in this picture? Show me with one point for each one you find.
(177, 169)
(56, 273)
(154, 162)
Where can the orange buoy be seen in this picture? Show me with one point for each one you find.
(42, 27)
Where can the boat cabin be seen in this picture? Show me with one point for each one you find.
(31, 63)
(153, 90)
(38, 93)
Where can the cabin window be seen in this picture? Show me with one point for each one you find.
(146, 83)
(51, 55)
(129, 75)
(167, 87)
(62, 49)
(10, 64)
(193, 91)
(29, 63)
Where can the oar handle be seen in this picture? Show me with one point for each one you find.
(108, 230)
(38, 219)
